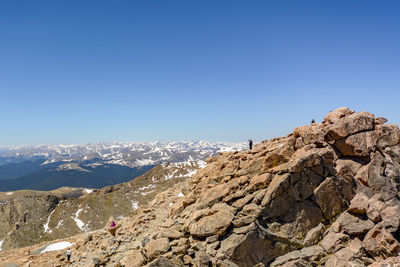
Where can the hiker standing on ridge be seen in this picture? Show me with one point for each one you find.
(250, 144)
(312, 121)
(68, 255)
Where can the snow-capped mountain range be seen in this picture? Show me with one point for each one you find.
(126, 154)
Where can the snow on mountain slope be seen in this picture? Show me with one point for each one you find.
(127, 154)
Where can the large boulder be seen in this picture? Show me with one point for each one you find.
(346, 126)
(337, 114)
(157, 247)
(309, 134)
(256, 246)
(357, 145)
(347, 168)
(215, 224)
(362, 143)
(330, 198)
(387, 135)
(134, 258)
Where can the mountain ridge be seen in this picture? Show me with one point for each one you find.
(29, 216)
(96, 165)
(129, 153)
(326, 194)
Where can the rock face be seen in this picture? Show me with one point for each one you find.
(325, 195)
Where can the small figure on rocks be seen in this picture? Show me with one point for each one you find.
(312, 121)
(250, 144)
(113, 228)
(68, 255)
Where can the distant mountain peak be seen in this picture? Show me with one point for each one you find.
(130, 154)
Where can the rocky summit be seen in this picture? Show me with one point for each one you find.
(324, 195)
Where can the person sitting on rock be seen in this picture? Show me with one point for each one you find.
(250, 144)
(113, 228)
(312, 121)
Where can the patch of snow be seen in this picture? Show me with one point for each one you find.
(9, 193)
(78, 222)
(88, 191)
(148, 192)
(48, 161)
(46, 226)
(170, 204)
(119, 162)
(56, 246)
(227, 149)
(190, 174)
(135, 205)
(1, 243)
(201, 164)
(147, 187)
(59, 223)
(171, 175)
(181, 194)
(28, 263)
(143, 162)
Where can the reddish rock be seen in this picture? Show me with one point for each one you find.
(380, 243)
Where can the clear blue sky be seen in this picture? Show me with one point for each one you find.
(89, 71)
